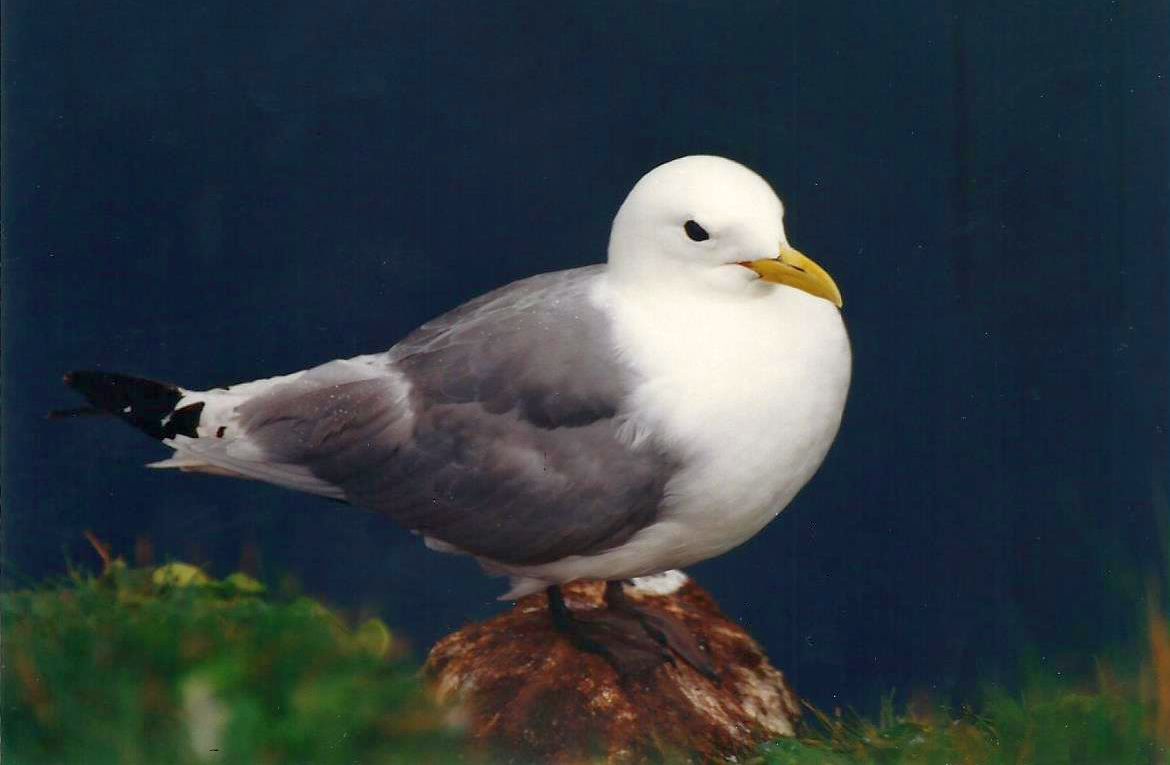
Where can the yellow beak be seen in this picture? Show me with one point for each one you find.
(791, 267)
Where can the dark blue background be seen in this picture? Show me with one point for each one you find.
(211, 192)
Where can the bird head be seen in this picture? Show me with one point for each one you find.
(713, 223)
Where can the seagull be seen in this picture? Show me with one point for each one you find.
(609, 422)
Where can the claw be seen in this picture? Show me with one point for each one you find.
(633, 639)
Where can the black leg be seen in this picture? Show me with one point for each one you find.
(666, 630)
(617, 636)
(615, 594)
(557, 608)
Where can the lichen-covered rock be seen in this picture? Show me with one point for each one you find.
(524, 691)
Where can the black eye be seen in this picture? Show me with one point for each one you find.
(696, 232)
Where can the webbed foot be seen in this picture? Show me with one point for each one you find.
(633, 638)
(620, 638)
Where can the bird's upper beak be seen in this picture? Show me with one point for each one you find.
(791, 267)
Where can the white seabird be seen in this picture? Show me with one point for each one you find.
(606, 422)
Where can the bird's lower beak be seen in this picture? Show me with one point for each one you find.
(791, 267)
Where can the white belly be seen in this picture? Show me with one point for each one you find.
(747, 394)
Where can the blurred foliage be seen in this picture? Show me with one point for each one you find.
(1053, 722)
(167, 665)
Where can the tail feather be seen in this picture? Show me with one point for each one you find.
(204, 427)
(146, 404)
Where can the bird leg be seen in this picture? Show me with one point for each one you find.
(667, 630)
(620, 638)
(632, 638)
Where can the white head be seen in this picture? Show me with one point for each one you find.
(711, 223)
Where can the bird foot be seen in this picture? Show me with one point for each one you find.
(673, 634)
(633, 639)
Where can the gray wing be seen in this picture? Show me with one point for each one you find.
(493, 428)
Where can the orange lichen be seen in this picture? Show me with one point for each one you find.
(523, 688)
(1159, 639)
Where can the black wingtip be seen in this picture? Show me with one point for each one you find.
(146, 404)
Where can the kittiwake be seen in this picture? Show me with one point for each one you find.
(607, 422)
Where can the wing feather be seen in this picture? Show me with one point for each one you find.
(495, 429)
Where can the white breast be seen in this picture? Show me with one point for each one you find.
(747, 392)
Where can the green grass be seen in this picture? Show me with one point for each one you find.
(165, 665)
(168, 666)
(1057, 727)
(1110, 721)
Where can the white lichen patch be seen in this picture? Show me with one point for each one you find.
(763, 698)
(703, 696)
(206, 718)
(666, 583)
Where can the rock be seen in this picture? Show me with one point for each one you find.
(524, 691)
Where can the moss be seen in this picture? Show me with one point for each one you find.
(1064, 728)
(169, 665)
(1053, 722)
